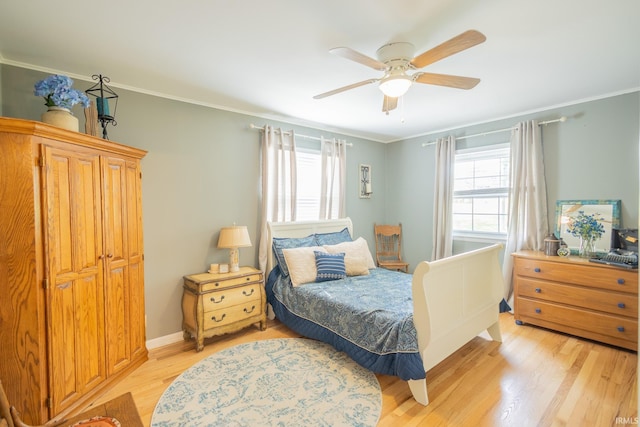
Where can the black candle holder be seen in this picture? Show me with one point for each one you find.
(104, 94)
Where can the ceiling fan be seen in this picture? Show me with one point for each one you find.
(396, 59)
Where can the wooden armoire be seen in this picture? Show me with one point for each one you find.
(72, 315)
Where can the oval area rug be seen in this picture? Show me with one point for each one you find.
(278, 382)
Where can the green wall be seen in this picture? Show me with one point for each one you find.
(203, 172)
(593, 155)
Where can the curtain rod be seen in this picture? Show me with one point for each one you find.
(561, 119)
(315, 138)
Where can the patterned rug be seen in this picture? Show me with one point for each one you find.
(279, 382)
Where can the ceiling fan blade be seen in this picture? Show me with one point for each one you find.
(363, 59)
(344, 88)
(389, 103)
(457, 44)
(457, 82)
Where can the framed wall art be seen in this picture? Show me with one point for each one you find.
(608, 210)
(365, 190)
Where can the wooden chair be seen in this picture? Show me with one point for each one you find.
(11, 416)
(388, 244)
(5, 409)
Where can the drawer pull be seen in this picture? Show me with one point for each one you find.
(620, 328)
(253, 307)
(538, 310)
(248, 279)
(621, 305)
(244, 292)
(221, 319)
(213, 300)
(216, 284)
(537, 269)
(620, 281)
(538, 290)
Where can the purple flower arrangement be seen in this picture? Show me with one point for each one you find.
(57, 92)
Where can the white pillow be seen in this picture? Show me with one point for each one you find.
(301, 263)
(356, 254)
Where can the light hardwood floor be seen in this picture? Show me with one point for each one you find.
(535, 377)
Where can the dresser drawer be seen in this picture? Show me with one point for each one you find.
(232, 314)
(229, 297)
(206, 285)
(575, 320)
(611, 302)
(581, 274)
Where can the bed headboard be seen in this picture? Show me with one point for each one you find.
(302, 229)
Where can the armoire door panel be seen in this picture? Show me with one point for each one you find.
(115, 208)
(77, 357)
(136, 306)
(134, 211)
(73, 225)
(117, 317)
(88, 221)
(59, 212)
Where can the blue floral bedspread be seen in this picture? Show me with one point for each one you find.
(368, 317)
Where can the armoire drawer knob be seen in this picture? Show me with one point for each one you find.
(537, 269)
(621, 305)
(620, 328)
(538, 310)
(620, 281)
(538, 290)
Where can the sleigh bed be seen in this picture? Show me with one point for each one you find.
(389, 322)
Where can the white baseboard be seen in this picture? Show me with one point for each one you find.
(165, 340)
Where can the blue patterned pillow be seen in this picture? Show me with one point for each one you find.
(330, 266)
(333, 238)
(280, 243)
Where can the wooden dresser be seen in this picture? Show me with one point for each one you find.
(219, 303)
(71, 266)
(575, 296)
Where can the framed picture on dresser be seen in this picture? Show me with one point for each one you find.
(607, 212)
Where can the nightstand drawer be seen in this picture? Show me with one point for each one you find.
(583, 274)
(607, 301)
(225, 316)
(614, 326)
(206, 282)
(229, 297)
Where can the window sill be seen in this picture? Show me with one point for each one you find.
(477, 238)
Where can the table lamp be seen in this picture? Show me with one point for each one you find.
(233, 238)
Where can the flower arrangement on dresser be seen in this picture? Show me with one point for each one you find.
(60, 96)
(588, 229)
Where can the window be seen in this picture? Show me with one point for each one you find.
(308, 165)
(481, 192)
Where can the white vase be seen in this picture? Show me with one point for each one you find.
(61, 117)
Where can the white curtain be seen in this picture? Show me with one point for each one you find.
(278, 183)
(334, 177)
(443, 198)
(528, 223)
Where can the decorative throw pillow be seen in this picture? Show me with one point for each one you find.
(280, 243)
(302, 264)
(352, 250)
(329, 266)
(333, 238)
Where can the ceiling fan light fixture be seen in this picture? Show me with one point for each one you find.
(395, 86)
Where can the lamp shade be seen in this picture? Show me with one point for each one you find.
(395, 86)
(234, 237)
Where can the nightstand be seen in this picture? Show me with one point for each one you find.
(220, 303)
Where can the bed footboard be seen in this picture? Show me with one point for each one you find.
(454, 300)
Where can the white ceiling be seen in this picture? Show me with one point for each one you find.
(269, 58)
